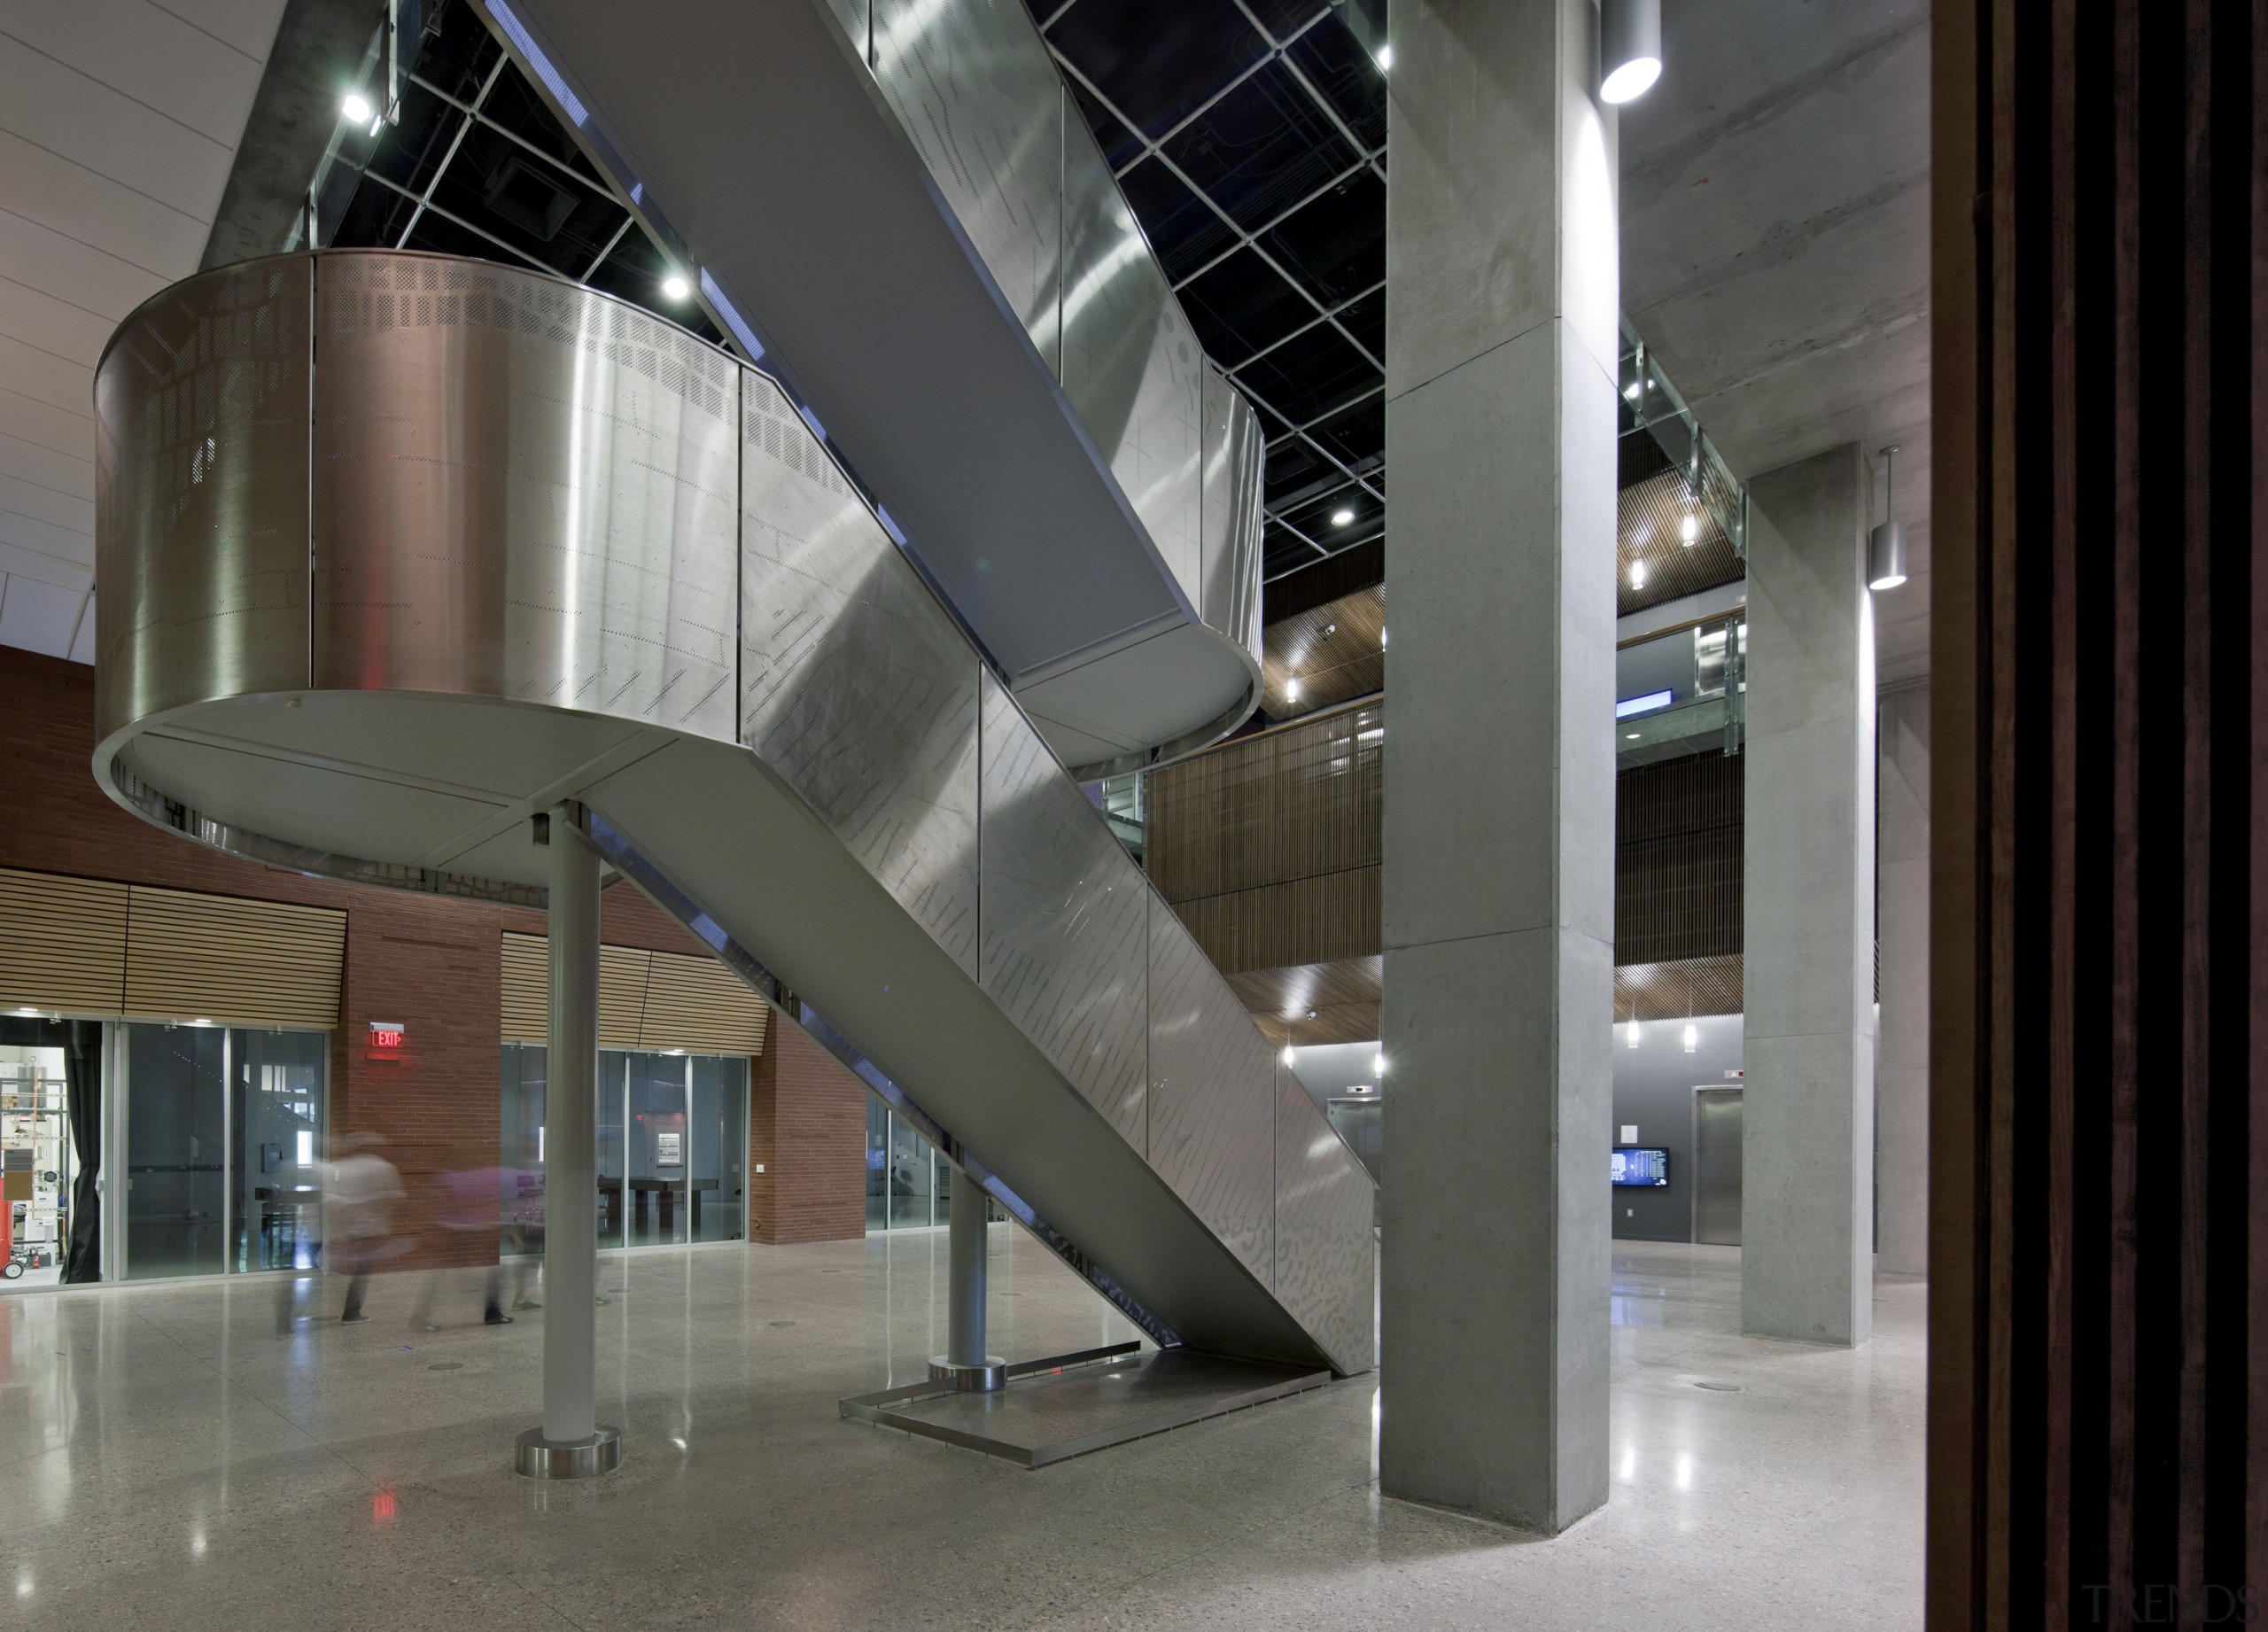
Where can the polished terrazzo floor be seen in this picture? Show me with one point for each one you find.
(168, 1459)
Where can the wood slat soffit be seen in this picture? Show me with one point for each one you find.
(647, 1000)
(97, 947)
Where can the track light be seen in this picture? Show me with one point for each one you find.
(1637, 575)
(1886, 546)
(1630, 48)
(1291, 1056)
(1688, 530)
(1630, 1031)
(1692, 1036)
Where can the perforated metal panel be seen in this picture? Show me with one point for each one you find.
(1066, 917)
(1236, 457)
(201, 550)
(1212, 1097)
(565, 469)
(976, 90)
(1326, 1257)
(857, 689)
(1131, 365)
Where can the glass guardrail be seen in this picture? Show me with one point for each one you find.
(1651, 404)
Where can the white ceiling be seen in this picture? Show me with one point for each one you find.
(119, 119)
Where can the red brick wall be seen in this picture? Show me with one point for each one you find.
(431, 962)
(807, 1126)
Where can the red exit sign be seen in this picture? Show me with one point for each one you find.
(386, 1033)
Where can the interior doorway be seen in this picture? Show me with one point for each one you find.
(1716, 1166)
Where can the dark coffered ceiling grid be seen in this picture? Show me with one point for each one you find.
(476, 165)
(1249, 136)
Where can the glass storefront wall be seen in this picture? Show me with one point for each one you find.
(36, 1133)
(224, 1139)
(673, 1148)
(909, 1185)
(217, 1144)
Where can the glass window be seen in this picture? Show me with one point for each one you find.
(276, 1106)
(175, 1138)
(34, 1130)
(614, 1077)
(717, 1148)
(672, 1148)
(656, 1148)
(877, 1164)
(519, 1152)
(912, 1181)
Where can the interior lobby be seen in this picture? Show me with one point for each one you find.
(714, 910)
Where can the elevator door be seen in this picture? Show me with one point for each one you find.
(1716, 1166)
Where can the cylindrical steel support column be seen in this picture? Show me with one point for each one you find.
(570, 1444)
(964, 1330)
(965, 1363)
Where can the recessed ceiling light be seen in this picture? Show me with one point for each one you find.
(675, 287)
(357, 109)
(1339, 518)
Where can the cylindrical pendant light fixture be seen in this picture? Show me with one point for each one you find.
(1886, 545)
(1630, 48)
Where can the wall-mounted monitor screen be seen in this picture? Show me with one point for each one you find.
(1641, 1166)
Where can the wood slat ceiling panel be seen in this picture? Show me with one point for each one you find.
(1292, 804)
(62, 942)
(219, 958)
(1649, 532)
(623, 972)
(1318, 920)
(1315, 1003)
(698, 1004)
(527, 989)
(1336, 652)
(646, 1000)
(1679, 990)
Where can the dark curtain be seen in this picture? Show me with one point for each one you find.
(82, 1096)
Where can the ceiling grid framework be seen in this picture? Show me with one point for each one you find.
(1250, 138)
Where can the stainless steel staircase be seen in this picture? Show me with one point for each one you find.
(396, 550)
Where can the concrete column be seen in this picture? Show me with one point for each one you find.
(570, 1443)
(1498, 849)
(1807, 1121)
(1902, 1243)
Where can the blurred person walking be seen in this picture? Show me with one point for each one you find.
(360, 1192)
(521, 1195)
(469, 1210)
